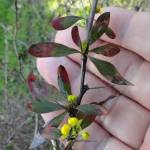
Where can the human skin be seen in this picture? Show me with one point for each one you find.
(126, 126)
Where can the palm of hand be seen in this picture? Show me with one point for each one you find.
(126, 125)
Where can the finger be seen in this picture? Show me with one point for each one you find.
(132, 30)
(98, 136)
(130, 65)
(127, 121)
(146, 143)
(101, 141)
(114, 144)
(122, 123)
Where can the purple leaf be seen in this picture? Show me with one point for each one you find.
(75, 36)
(110, 33)
(62, 23)
(108, 50)
(63, 81)
(100, 27)
(50, 49)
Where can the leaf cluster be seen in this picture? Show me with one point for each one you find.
(58, 99)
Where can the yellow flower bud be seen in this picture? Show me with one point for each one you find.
(73, 121)
(72, 98)
(85, 135)
(65, 129)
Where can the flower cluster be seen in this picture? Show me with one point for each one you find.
(72, 129)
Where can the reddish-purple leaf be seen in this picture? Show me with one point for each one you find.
(62, 23)
(110, 33)
(103, 20)
(50, 49)
(43, 90)
(108, 50)
(75, 36)
(63, 81)
(100, 27)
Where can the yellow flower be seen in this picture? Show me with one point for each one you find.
(65, 129)
(72, 98)
(73, 121)
(85, 135)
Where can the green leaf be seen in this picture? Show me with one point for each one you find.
(44, 106)
(50, 49)
(89, 109)
(62, 23)
(43, 90)
(100, 27)
(96, 33)
(75, 36)
(63, 81)
(55, 122)
(110, 33)
(50, 132)
(109, 72)
(108, 50)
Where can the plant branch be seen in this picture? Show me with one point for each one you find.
(83, 70)
(84, 56)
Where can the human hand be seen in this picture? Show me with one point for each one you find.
(126, 126)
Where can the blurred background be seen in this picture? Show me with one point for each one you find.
(22, 23)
